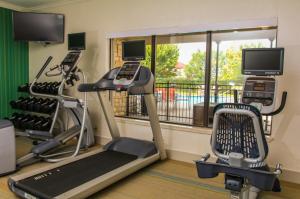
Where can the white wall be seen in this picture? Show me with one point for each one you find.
(100, 17)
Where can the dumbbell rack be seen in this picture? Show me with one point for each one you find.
(36, 113)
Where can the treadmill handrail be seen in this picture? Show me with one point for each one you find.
(106, 83)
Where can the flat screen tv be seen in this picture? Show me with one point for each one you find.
(134, 50)
(40, 27)
(76, 41)
(262, 61)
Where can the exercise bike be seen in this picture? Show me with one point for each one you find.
(238, 138)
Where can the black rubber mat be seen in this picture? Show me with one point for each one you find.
(62, 179)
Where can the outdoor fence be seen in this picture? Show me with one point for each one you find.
(179, 103)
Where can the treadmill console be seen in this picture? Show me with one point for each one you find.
(260, 90)
(127, 74)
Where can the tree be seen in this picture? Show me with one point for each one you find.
(230, 64)
(194, 70)
(166, 59)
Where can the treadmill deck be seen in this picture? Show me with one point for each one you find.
(50, 184)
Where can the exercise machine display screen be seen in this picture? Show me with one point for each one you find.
(133, 50)
(263, 61)
(127, 73)
(76, 41)
(259, 90)
(70, 61)
(259, 87)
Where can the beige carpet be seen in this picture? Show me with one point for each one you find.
(165, 180)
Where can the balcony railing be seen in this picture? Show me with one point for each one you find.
(179, 103)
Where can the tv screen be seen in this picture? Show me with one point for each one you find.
(76, 41)
(134, 50)
(42, 27)
(263, 61)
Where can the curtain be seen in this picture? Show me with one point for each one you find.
(14, 63)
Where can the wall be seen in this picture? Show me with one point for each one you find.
(100, 17)
(10, 6)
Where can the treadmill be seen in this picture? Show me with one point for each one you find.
(91, 172)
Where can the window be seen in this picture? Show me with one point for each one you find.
(179, 74)
(127, 105)
(193, 73)
(226, 59)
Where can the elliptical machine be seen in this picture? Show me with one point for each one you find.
(49, 142)
(238, 139)
(88, 173)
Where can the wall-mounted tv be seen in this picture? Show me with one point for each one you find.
(40, 27)
(262, 61)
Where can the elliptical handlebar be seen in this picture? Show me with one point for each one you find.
(44, 67)
(281, 107)
(38, 76)
(60, 95)
(49, 74)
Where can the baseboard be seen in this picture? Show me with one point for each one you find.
(287, 175)
(290, 176)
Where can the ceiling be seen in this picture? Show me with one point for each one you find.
(31, 3)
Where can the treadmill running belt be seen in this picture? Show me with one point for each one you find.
(62, 179)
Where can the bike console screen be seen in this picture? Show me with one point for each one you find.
(127, 74)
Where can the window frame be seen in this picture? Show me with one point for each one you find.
(208, 65)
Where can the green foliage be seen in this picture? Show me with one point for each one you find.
(230, 64)
(194, 70)
(166, 59)
(229, 68)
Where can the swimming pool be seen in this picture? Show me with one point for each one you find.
(200, 99)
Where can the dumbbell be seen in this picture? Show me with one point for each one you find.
(37, 106)
(14, 103)
(31, 103)
(44, 104)
(38, 87)
(35, 87)
(31, 122)
(43, 87)
(51, 88)
(46, 125)
(54, 88)
(24, 104)
(16, 119)
(24, 87)
(49, 107)
(33, 125)
(24, 120)
(42, 124)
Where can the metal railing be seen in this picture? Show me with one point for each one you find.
(179, 103)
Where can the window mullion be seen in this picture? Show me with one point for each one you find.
(207, 78)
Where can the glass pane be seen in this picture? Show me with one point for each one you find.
(127, 105)
(226, 64)
(180, 70)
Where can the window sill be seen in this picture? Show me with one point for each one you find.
(175, 127)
